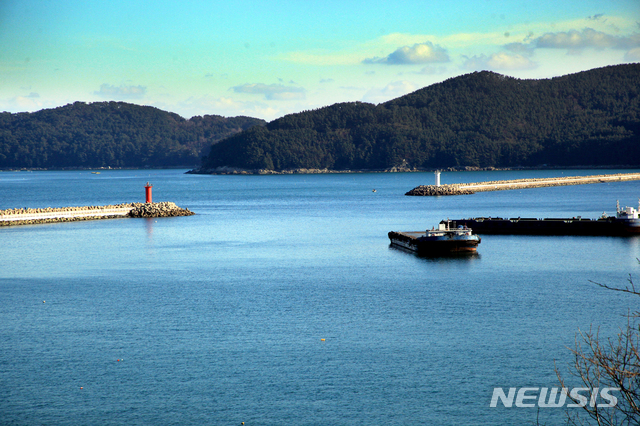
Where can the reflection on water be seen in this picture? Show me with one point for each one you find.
(439, 257)
(149, 221)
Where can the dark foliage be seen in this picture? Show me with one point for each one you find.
(110, 134)
(481, 119)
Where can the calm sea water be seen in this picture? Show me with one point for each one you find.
(218, 318)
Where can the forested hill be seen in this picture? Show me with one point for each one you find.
(481, 119)
(110, 134)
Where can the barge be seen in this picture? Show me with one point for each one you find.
(444, 240)
(626, 222)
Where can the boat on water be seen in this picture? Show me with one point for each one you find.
(626, 222)
(444, 240)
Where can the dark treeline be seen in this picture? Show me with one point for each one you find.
(481, 119)
(110, 134)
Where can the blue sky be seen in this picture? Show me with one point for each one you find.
(266, 58)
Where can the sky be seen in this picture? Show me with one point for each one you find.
(269, 58)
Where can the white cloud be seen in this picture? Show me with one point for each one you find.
(499, 61)
(121, 92)
(587, 38)
(419, 53)
(524, 39)
(390, 91)
(271, 92)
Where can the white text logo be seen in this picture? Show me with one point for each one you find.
(555, 397)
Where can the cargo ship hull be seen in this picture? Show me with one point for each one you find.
(552, 226)
(425, 244)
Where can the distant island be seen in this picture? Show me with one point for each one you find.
(477, 120)
(111, 135)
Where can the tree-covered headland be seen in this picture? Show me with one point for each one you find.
(482, 119)
(110, 134)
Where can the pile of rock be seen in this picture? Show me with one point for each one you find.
(432, 190)
(164, 209)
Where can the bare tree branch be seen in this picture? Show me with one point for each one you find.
(613, 362)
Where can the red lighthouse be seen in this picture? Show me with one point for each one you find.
(147, 190)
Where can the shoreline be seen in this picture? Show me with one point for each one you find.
(87, 169)
(239, 171)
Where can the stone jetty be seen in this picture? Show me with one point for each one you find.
(501, 185)
(29, 216)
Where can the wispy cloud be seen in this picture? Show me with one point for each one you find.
(499, 62)
(273, 92)
(320, 58)
(427, 49)
(419, 53)
(433, 70)
(390, 91)
(228, 107)
(30, 102)
(587, 38)
(633, 55)
(520, 49)
(121, 92)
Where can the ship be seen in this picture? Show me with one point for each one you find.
(444, 240)
(626, 222)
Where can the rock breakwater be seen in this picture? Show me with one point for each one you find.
(432, 190)
(29, 216)
(28, 211)
(502, 185)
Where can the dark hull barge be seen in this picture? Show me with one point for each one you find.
(443, 240)
(625, 223)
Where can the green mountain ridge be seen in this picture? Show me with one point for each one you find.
(482, 119)
(111, 134)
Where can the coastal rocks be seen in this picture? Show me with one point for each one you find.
(163, 209)
(237, 171)
(224, 170)
(432, 190)
(404, 167)
(295, 172)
